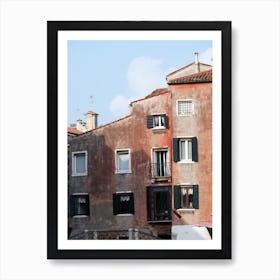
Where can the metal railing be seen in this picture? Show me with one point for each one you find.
(160, 170)
(130, 234)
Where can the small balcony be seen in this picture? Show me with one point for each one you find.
(161, 171)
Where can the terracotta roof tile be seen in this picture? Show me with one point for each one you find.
(75, 131)
(185, 67)
(156, 92)
(201, 77)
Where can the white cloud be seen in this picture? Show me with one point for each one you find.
(119, 106)
(144, 75)
(206, 57)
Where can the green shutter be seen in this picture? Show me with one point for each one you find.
(195, 197)
(87, 205)
(176, 149)
(177, 197)
(72, 205)
(150, 121)
(166, 119)
(115, 204)
(131, 204)
(194, 149)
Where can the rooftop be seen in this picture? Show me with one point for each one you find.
(75, 131)
(201, 77)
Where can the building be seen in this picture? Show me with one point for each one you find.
(149, 174)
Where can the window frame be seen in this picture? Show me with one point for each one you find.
(153, 161)
(117, 170)
(177, 149)
(73, 208)
(178, 200)
(184, 100)
(151, 121)
(74, 173)
(152, 215)
(116, 197)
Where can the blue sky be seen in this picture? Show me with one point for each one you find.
(105, 76)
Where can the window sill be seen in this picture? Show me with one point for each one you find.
(80, 216)
(125, 215)
(186, 210)
(160, 221)
(186, 161)
(123, 172)
(159, 129)
(79, 175)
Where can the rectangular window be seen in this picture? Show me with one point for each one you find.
(123, 203)
(79, 163)
(157, 121)
(159, 203)
(160, 163)
(79, 205)
(123, 161)
(186, 197)
(185, 107)
(185, 149)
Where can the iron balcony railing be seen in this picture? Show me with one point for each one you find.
(160, 170)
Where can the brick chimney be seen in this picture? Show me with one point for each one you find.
(196, 62)
(91, 120)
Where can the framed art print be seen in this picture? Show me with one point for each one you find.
(139, 140)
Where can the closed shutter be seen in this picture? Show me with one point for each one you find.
(131, 210)
(195, 197)
(150, 121)
(194, 149)
(166, 119)
(115, 204)
(72, 205)
(87, 206)
(176, 156)
(177, 197)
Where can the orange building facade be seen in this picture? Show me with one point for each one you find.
(149, 174)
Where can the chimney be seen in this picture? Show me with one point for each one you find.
(80, 125)
(196, 62)
(91, 120)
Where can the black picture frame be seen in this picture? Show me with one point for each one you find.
(53, 252)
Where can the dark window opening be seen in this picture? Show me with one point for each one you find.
(123, 203)
(159, 203)
(79, 205)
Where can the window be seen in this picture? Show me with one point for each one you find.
(186, 197)
(185, 107)
(123, 203)
(79, 205)
(123, 161)
(159, 203)
(185, 149)
(160, 163)
(79, 163)
(157, 121)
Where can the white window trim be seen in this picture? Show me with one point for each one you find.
(165, 148)
(116, 162)
(186, 209)
(159, 127)
(185, 161)
(193, 105)
(74, 174)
